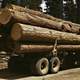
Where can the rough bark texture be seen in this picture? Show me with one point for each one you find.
(34, 49)
(38, 34)
(67, 25)
(27, 10)
(68, 47)
(21, 9)
(27, 16)
(27, 49)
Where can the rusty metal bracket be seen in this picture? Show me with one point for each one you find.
(54, 51)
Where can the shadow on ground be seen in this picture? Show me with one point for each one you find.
(6, 74)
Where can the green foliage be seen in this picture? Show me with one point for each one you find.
(12, 1)
(18, 2)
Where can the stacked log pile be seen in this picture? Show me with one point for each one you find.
(27, 16)
(24, 25)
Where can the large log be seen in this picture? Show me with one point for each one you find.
(38, 34)
(67, 25)
(30, 11)
(45, 48)
(8, 14)
(27, 18)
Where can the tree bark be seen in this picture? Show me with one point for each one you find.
(28, 18)
(45, 48)
(68, 47)
(38, 34)
(30, 11)
(34, 49)
(68, 26)
(16, 16)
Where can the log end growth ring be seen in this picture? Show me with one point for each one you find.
(16, 32)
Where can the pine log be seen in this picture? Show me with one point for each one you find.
(30, 11)
(34, 49)
(16, 16)
(68, 47)
(67, 25)
(8, 14)
(38, 34)
(45, 48)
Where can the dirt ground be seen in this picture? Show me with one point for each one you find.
(70, 74)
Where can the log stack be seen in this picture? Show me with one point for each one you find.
(27, 16)
(23, 25)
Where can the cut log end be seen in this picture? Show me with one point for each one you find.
(16, 32)
(5, 16)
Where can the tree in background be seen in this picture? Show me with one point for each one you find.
(34, 4)
(69, 10)
(65, 9)
(55, 8)
(78, 11)
(44, 6)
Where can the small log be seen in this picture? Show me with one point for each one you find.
(38, 34)
(34, 49)
(68, 47)
(45, 48)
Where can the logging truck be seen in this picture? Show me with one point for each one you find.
(45, 51)
(38, 41)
